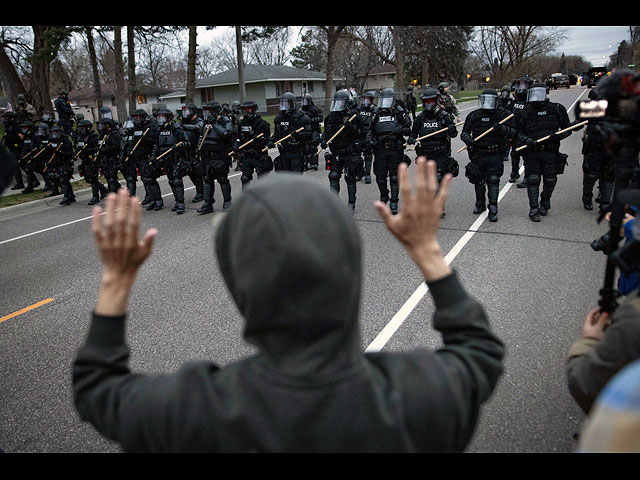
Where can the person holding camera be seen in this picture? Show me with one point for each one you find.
(609, 341)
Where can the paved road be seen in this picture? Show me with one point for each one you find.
(536, 281)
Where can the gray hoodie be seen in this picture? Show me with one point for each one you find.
(296, 277)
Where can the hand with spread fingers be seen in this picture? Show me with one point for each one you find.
(417, 224)
(121, 251)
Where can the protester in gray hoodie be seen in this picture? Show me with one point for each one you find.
(309, 388)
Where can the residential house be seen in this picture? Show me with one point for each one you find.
(82, 100)
(263, 84)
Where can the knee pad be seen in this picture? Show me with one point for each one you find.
(393, 178)
(493, 179)
(334, 175)
(533, 179)
(550, 180)
(245, 178)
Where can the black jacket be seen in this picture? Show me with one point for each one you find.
(310, 387)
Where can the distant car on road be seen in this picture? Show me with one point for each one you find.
(560, 80)
(595, 73)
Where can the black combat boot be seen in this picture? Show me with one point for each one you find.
(207, 206)
(226, 195)
(148, 198)
(179, 196)
(481, 202)
(95, 191)
(533, 192)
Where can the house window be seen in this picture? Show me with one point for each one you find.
(142, 99)
(282, 87)
(310, 86)
(206, 95)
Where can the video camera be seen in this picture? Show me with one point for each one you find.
(614, 108)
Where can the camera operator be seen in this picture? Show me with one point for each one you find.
(610, 337)
(608, 341)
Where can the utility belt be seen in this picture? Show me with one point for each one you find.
(433, 150)
(488, 149)
(547, 146)
(390, 145)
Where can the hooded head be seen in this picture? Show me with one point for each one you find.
(294, 275)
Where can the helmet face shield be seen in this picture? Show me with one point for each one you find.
(429, 104)
(487, 102)
(286, 105)
(338, 105)
(128, 124)
(537, 94)
(385, 102)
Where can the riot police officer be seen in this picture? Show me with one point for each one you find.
(389, 125)
(28, 149)
(436, 147)
(127, 167)
(144, 133)
(86, 148)
(287, 122)
(311, 110)
(345, 155)
(35, 162)
(254, 129)
(59, 164)
(543, 161)
(597, 165)
(171, 147)
(214, 147)
(23, 109)
(65, 112)
(193, 126)
(13, 142)
(520, 87)
(411, 102)
(366, 109)
(486, 154)
(109, 152)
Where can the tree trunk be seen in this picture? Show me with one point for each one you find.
(40, 80)
(10, 78)
(397, 44)
(191, 65)
(333, 33)
(424, 57)
(241, 85)
(97, 89)
(131, 63)
(119, 74)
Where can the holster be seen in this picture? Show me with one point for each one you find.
(452, 167)
(472, 172)
(561, 162)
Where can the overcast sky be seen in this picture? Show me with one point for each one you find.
(594, 43)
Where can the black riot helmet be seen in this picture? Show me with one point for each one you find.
(520, 87)
(189, 110)
(56, 132)
(537, 93)
(128, 125)
(9, 118)
(287, 102)
(139, 116)
(104, 125)
(43, 130)
(306, 102)
(488, 99)
(105, 112)
(235, 107)
(340, 101)
(249, 109)
(84, 126)
(164, 116)
(505, 92)
(212, 108)
(429, 99)
(26, 127)
(367, 98)
(48, 118)
(387, 99)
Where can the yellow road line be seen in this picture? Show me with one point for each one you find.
(26, 309)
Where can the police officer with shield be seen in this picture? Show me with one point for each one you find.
(366, 110)
(315, 116)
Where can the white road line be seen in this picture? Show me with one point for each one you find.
(398, 319)
(78, 220)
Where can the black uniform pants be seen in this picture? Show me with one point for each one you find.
(385, 165)
(351, 164)
(540, 166)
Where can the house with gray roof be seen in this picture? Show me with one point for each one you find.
(263, 84)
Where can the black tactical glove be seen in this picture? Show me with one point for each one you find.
(411, 141)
